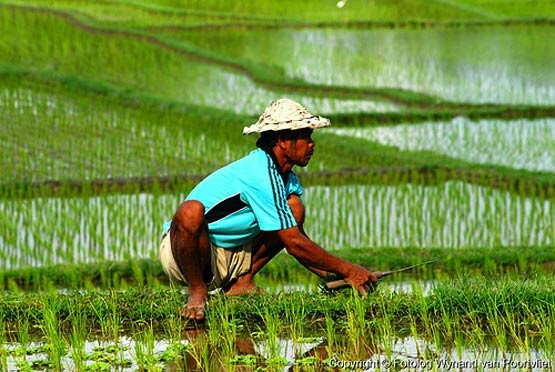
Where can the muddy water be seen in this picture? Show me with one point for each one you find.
(409, 353)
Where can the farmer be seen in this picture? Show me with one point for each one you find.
(239, 217)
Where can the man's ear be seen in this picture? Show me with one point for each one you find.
(282, 144)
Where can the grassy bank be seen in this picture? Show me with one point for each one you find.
(489, 262)
(507, 314)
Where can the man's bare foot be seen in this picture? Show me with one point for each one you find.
(195, 306)
(242, 286)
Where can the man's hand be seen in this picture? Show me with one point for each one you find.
(319, 261)
(362, 280)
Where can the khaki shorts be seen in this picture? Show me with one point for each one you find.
(226, 264)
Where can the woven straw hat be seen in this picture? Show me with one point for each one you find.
(286, 114)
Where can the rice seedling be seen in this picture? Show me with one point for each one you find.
(378, 322)
(524, 144)
(135, 15)
(71, 141)
(451, 215)
(56, 344)
(51, 122)
(413, 59)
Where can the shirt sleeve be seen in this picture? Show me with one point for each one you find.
(293, 185)
(268, 200)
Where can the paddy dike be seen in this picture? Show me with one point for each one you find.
(540, 185)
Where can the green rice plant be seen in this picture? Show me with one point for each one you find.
(317, 11)
(223, 330)
(446, 217)
(78, 337)
(501, 313)
(3, 350)
(357, 330)
(115, 320)
(200, 351)
(131, 15)
(285, 275)
(270, 336)
(67, 164)
(71, 142)
(192, 12)
(57, 344)
(294, 318)
(144, 352)
(511, 10)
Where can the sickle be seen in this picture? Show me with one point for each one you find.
(341, 283)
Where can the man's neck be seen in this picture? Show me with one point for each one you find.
(284, 168)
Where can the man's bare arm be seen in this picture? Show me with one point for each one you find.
(317, 259)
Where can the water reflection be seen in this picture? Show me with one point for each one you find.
(412, 353)
(127, 354)
(395, 353)
(472, 64)
(423, 287)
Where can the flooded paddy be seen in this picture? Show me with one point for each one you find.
(452, 215)
(345, 332)
(519, 144)
(408, 353)
(158, 72)
(469, 64)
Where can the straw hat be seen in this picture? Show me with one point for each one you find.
(286, 114)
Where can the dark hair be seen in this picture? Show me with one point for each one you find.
(269, 138)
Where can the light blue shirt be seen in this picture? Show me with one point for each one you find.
(244, 198)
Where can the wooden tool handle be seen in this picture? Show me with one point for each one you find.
(341, 283)
(337, 284)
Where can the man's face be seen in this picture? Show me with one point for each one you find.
(299, 151)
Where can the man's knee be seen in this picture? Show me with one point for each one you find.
(297, 207)
(188, 217)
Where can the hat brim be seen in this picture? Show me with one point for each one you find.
(313, 122)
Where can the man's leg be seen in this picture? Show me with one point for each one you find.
(191, 251)
(265, 247)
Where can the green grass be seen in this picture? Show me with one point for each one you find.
(134, 272)
(503, 313)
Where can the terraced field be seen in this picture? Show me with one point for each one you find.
(442, 146)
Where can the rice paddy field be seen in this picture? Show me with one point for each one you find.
(442, 147)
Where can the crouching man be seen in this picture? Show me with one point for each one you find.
(239, 217)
